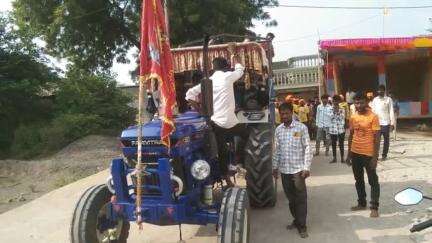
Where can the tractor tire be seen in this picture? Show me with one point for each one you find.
(234, 224)
(88, 215)
(258, 164)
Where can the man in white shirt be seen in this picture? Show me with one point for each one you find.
(224, 119)
(323, 122)
(382, 105)
(349, 96)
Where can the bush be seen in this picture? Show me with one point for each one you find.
(27, 142)
(82, 93)
(68, 128)
(84, 104)
(35, 140)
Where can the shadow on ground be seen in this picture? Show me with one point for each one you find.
(331, 193)
(330, 219)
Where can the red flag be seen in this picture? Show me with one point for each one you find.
(156, 61)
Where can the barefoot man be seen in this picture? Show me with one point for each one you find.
(363, 147)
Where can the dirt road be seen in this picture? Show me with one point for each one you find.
(331, 192)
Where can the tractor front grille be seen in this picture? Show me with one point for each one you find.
(150, 181)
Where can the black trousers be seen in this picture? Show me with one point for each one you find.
(385, 132)
(294, 186)
(335, 138)
(223, 135)
(359, 164)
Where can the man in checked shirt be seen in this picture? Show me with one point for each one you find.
(292, 159)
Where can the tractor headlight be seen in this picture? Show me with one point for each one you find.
(200, 169)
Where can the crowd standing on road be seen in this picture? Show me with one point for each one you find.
(324, 119)
(367, 119)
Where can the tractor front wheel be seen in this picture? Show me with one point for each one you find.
(233, 225)
(91, 219)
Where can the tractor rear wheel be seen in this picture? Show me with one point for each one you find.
(90, 221)
(233, 225)
(258, 164)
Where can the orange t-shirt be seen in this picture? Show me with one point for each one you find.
(365, 126)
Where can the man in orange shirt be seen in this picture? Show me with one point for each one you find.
(363, 147)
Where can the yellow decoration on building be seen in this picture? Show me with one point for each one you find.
(422, 42)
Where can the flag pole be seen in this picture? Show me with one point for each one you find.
(139, 164)
(166, 12)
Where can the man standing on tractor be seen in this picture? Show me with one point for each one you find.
(224, 120)
(292, 158)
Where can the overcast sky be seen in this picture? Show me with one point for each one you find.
(299, 29)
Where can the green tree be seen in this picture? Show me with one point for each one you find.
(95, 95)
(83, 104)
(23, 79)
(91, 33)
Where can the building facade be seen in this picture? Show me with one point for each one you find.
(299, 76)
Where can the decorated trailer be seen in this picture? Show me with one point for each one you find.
(403, 65)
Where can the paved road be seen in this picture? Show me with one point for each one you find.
(331, 193)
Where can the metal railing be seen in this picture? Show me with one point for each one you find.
(296, 78)
(302, 72)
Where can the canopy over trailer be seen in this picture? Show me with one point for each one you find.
(188, 66)
(403, 65)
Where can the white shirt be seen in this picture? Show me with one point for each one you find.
(324, 113)
(383, 107)
(223, 96)
(350, 97)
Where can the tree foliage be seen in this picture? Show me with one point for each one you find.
(91, 33)
(23, 77)
(41, 112)
(96, 95)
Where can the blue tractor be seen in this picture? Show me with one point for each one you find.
(180, 185)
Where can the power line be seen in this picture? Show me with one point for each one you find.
(351, 7)
(331, 30)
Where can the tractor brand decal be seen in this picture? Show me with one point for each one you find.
(147, 142)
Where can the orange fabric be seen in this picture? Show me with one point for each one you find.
(364, 126)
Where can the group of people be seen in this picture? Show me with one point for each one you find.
(328, 119)
(367, 118)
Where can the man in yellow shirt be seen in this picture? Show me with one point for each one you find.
(303, 112)
(295, 102)
(343, 105)
(363, 149)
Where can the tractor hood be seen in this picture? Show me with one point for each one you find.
(185, 125)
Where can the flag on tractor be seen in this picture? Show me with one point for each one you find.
(156, 62)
